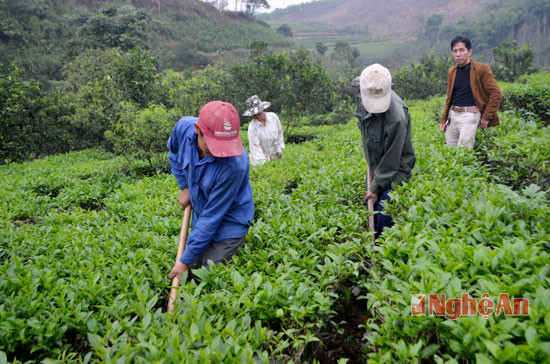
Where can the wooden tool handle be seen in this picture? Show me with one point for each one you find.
(370, 205)
(181, 249)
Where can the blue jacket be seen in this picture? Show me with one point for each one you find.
(219, 189)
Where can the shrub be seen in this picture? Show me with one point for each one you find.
(292, 82)
(341, 114)
(20, 115)
(142, 134)
(99, 81)
(31, 124)
(135, 74)
(512, 62)
(424, 79)
(116, 26)
(344, 54)
(321, 48)
(531, 97)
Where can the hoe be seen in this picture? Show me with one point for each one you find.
(181, 249)
(370, 205)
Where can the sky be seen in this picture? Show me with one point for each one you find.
(278, 4)
(274, 4)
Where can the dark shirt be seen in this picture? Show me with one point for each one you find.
(462, 92)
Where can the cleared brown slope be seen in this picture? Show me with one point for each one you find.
(396, 17)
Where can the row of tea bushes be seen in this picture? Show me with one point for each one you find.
(89, 283)
(86, 250)
(530, 96)
(457, 232)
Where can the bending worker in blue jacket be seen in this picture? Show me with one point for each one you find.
(212, 170)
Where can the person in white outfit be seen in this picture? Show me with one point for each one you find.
(265, 134)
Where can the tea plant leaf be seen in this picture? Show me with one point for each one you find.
(94, 340)
(146, 319)
(429, 350)
(492, 347)
(530, 335)
(483, 359)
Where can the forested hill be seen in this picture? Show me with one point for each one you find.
(42, 36)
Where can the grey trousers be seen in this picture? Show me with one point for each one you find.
(219, 252)
(463, 128)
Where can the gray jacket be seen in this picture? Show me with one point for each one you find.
(386, 142)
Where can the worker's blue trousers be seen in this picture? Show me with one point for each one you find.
(382, 220)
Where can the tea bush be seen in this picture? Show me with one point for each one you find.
(531, 96)
(517, 152)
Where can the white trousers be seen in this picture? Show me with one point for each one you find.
(462, 129)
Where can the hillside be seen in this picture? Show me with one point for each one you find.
(44, 35)
(382, 30)
(393, 17)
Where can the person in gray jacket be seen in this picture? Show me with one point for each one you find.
(385, 125)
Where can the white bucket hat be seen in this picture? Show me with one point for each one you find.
(254, 106)
(375, 85)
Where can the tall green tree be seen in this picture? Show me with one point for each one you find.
(20, 119)
(32, 124)
(135, 74)
(99, 80)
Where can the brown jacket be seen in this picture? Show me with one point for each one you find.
(487, 94)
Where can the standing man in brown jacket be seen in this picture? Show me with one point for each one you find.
(473, 97)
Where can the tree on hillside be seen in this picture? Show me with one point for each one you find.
(220, 4)
(135, 75)
(116, 26)
(343, 52)
(258, 48)
(248, 6)
(253, 5)
(20, 121)
(32, 123)
(512, 62)
(432, 27)
(285, 30)
(321, 48)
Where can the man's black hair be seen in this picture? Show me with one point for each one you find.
(464, 40)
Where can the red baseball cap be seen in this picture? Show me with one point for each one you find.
(219, 122)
